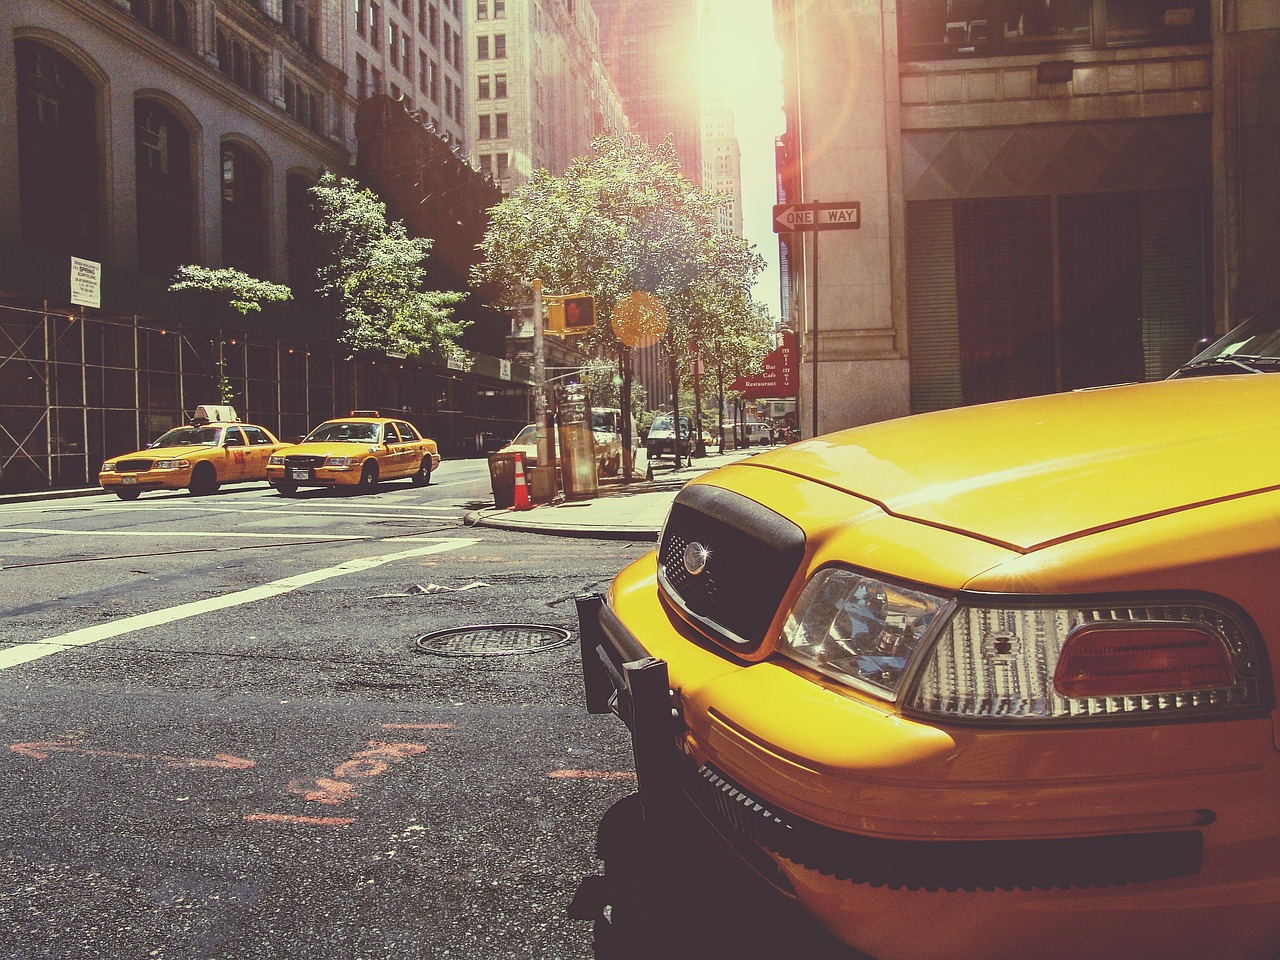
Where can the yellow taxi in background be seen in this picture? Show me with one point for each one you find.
(355, 452)
(989, 683)
(216, 448)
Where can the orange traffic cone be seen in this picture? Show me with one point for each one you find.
(522, 501)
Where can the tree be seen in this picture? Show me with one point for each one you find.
(375, 274)
(242, 292)
(621, 220)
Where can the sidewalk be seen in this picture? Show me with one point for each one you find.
(635, 511)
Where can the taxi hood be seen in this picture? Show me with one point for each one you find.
(1029, 473)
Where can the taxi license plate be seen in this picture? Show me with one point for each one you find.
(300, 474)
(128, 480)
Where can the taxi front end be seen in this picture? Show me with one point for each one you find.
(991, 682)
(168, 469)
(319, 464)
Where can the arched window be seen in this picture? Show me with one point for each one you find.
(243, 220)
(57, 152)
(165, 211)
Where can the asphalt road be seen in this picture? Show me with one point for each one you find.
(220, 737)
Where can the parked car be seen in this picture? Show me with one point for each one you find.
(606, 426)
(215, 448)
(661, 437)
(990, 682)
(355, 452)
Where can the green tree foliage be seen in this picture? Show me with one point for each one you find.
(375, 274)
(241, 291)
(621, 219)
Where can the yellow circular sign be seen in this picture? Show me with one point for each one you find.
(639, 319)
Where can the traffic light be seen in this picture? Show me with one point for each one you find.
(571, 314)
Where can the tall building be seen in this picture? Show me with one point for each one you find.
(414, 51)
(539, 93)
(1053, 195)
(650, 48)
(722, 165)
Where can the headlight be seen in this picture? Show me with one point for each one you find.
(1006, 662)
(275, 460)
(171, 464)
(339, 461)
(858, 629)
(108, 468)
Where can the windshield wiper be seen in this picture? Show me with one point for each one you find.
(1232, 364)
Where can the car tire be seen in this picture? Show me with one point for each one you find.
(128, 494)
(368, 478)
(423, 475)
(204, 480)
(286, 489)
(653, 452)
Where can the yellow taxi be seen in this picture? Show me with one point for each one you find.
(214, 449)
(992, 682)
(355, 452)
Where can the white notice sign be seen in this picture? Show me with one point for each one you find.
(86, 282)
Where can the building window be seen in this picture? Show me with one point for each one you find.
(499, 9)
(362, 78)
(482, 48)
(932, 29)
(57, 152)
(302, 21)
(375, 23)
(500, 126)
(483, 91)
(448, 45)
(457, 50)
(486, 127)
(482, 9)
(500, 86)
(499, 46)
(503, 163)
(243, 215)
(164, 191)
(376, 86)
(457, 103)
(360, 18)
(406, 56)
(393, 45)
(170, 19)
(302, 103)
(422, 71)
(448, 100)
(244, 64)
(434, 31)
(486, 163)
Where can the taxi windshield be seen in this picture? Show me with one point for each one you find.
(189, 437)
(341, 432)
(526, 437)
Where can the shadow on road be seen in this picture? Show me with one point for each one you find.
(687, 896)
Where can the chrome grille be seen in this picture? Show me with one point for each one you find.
(132, 466)
(297, 461)
(744, 558)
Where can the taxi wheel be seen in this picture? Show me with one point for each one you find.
(204, 481)
(368, 478)
(286, 489)
(423, 476)
(128, 494)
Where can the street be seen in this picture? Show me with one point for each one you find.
(220, 737)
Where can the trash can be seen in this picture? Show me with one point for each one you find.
(577, 444)
(502, 477)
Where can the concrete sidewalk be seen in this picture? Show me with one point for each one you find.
(634, 511)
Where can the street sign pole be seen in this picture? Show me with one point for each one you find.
(813, 325)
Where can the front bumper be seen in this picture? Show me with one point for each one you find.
(150, 480)
(621, 677)
(314, 476)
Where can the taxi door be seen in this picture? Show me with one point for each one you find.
(257, 453)
(396, 451)
(235, 456)
(415, 447)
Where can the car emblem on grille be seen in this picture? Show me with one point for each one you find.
(695, 558)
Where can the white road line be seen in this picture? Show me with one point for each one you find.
(25, 653)
(187, 534)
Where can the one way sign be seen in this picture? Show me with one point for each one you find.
(789, 217)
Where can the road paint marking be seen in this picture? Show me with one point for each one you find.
(592, 775)
(27, 652)
(418, 726)
(306, 821)
(364, 765)
(184, 534)
(43, 750)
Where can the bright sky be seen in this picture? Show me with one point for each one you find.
(742, 66)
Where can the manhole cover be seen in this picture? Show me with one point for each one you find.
(493, 640)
